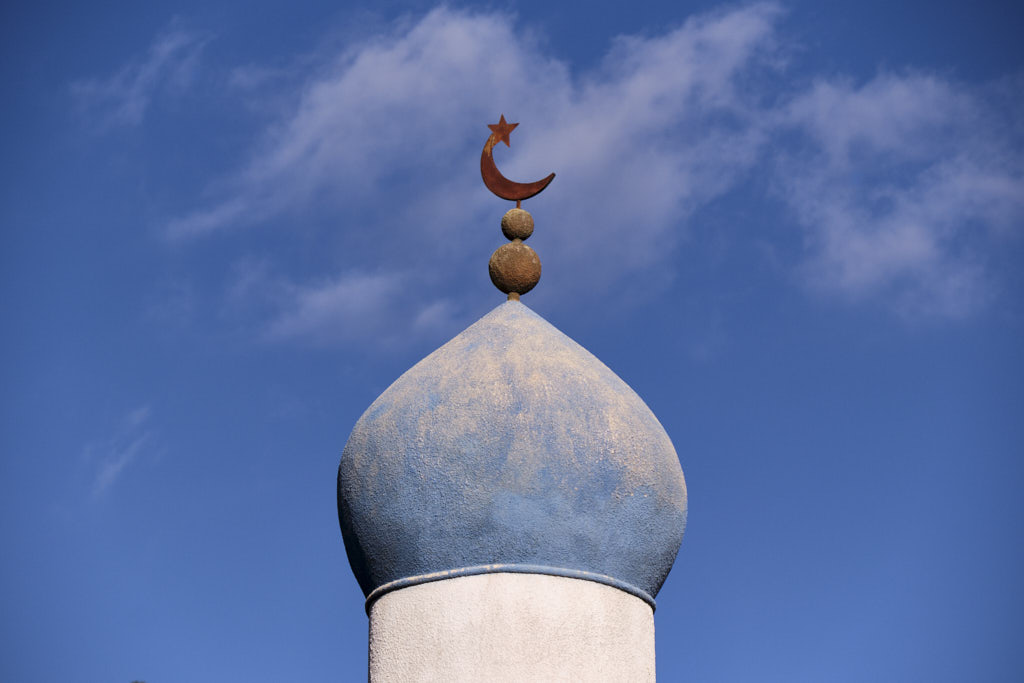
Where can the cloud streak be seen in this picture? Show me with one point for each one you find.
(132, 440)
(898, 185)
(124, 97)
(336, 309)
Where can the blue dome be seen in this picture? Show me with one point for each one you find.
(511, 448)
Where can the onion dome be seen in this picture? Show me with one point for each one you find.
(510, 449)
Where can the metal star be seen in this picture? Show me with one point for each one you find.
(501, 129)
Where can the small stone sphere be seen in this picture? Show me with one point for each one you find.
(514, 267)
(517, 224)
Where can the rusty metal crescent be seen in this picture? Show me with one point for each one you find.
(499, 184)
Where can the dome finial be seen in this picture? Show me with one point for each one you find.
(514, 268)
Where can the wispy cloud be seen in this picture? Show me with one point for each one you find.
(124, 97)
(902, 184)
(353, 306)
(899, 185)
(133, 438)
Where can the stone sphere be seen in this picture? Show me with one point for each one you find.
(514, 267)
(517, 224)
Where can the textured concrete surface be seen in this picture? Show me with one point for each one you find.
(511, 445)
(511, 627)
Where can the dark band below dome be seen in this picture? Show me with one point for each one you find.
(508, 569)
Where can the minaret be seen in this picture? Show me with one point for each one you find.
(510, 507)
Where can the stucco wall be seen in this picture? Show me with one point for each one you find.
(511, 627)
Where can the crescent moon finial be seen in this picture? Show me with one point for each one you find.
(493, 179)
(514, 268)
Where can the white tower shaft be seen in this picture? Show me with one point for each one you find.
(511, 627)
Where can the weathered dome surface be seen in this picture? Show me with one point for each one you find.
(510, 448)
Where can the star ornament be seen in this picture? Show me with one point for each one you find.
(501, 129)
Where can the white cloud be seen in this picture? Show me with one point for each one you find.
(132, 439)
(905, 184)
(628, 136)
(906, 116)
(659, 128)
(352, 306)
(896, 183)
(339, 309)
(124, 97)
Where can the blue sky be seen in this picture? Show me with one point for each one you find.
(795, 229)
